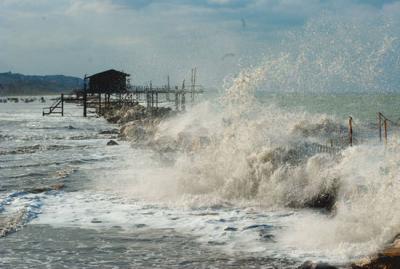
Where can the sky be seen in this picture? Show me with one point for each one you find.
(151, 39)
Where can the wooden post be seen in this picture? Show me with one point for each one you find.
(176, 99)
(146, 94)
(157, 99)
(350, 131)
(99, 103)
(85, 103)
(194, 84)
(84, 97)
(183, 100)
(168, 89)
(380, 126)
(183, 96)
(62, 105)
(386, 130)
(152, 97)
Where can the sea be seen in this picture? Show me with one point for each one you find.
(234, 193)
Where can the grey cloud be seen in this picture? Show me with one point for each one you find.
(150, 38)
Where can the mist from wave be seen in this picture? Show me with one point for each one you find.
(248, 154)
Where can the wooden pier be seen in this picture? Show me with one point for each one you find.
(111, 88)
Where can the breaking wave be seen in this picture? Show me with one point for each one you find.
(250, 154)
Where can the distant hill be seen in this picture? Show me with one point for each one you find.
(18, 84)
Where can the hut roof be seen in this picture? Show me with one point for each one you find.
(109, 72)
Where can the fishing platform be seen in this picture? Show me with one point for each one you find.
(112, 88)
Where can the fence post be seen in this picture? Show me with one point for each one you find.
(351, 131)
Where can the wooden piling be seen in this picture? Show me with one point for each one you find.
(194, 75)
(84, 96)
(85, 103)
(62, 105)
(147, 99)
(350, 131)
(99, 103)
(380, 126)
(168, 89)
(176, 99)
(183, 102)
(385, 130)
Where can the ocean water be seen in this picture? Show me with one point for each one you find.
(237, 201)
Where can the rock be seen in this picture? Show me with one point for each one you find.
(112, 118)
(95, 221)
(10, 224)
(112, 131)
(54, 187)
(325, 201)
(112, 143)
(57, 186)
(314, 265)
(133, 131)
(380, 262)
(230, 229)
(134, 113)
(389, 258)
(163, 144)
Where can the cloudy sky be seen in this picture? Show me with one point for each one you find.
(153, 38)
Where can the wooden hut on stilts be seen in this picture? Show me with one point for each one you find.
(103, 85)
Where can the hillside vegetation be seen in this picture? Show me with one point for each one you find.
(19, 84)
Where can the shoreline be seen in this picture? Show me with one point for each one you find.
(138, 126)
